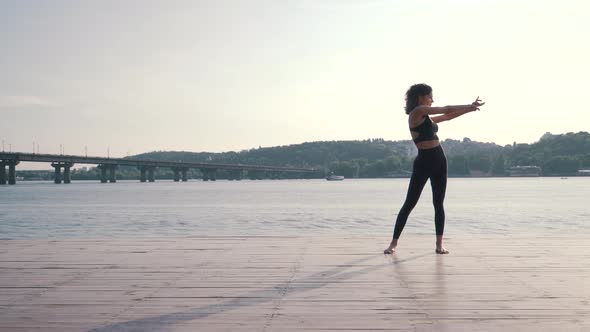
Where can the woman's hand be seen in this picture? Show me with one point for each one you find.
(476, 104)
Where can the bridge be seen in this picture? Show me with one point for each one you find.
(108, 167)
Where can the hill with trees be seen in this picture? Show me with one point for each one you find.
(556, 155)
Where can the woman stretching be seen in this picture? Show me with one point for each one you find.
(431, 162)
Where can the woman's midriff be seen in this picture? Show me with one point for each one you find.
(427, 144)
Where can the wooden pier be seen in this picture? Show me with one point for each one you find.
(295, 284)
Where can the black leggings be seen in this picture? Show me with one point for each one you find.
(429, 164)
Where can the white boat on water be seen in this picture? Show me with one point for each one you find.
(333, 177)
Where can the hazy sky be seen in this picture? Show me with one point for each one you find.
(219, 75)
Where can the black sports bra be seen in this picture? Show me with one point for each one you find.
(426, 131)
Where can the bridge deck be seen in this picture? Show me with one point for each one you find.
(289, 284)
(50, 158)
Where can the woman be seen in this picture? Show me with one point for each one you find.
(431, 162)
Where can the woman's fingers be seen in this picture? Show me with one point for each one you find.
(477, 103)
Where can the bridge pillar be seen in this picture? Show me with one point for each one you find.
(142, 176)
(112, 174)
(184, 175)
(58, 178)
(67, 177)
(111, 177)
(2, 173)
(147, 173)
(176, 174)
(235, 174)
(12, 172)
(255, 174)
(103, 173)
(209, 174)
(151, 177)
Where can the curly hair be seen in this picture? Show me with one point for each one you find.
(413, 93)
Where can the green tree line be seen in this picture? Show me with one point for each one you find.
(556, 155)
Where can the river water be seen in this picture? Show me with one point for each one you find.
(353, 207)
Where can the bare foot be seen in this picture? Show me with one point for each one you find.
(391, 249)
(441, 251)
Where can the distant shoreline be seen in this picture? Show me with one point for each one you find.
(376, 178)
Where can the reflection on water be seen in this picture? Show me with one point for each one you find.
(288, 207)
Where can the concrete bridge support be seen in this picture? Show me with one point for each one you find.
(58, 178)
(151, 177)
(176, 174)
(142, 176)
(256, 175)
(111, 177)
(147, 174)
(235, 174)
(112, 174)
(2, 173)
(12, 172)
(209, 174)
(103, 173)
(67, 176)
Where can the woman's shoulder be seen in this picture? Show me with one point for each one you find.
(421, 110)
(417, 119)
(418, 113)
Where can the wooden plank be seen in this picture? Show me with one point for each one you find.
(295, 284)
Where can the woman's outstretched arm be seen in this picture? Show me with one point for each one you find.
(429, 110)
(449, 116)
(451, 112)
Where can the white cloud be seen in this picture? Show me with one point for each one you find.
(25, 101)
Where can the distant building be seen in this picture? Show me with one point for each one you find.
(524, 171)
(584, 172)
